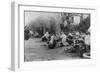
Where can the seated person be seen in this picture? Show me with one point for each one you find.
(36, 34)
(31, 33)
(57, 37)
(52, 42)
(63, 39)
(45, 37)
(70, 39)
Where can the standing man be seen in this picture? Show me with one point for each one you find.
(87, 41)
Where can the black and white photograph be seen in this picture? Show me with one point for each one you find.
(56, 36)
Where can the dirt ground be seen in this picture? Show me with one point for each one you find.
(36, 50)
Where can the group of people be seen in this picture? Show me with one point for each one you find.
(78, 40)
(53, 39)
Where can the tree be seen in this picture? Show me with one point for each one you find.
(84, 25)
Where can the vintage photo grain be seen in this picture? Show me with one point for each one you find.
(56, 36)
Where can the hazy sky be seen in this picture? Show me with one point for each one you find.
(32, 16)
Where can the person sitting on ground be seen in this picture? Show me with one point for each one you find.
(46, 36)
(52, 42)
(63, 39)
(57, 37)
(36, 34)
(31, 33)
(77, 35)
(70, 39)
